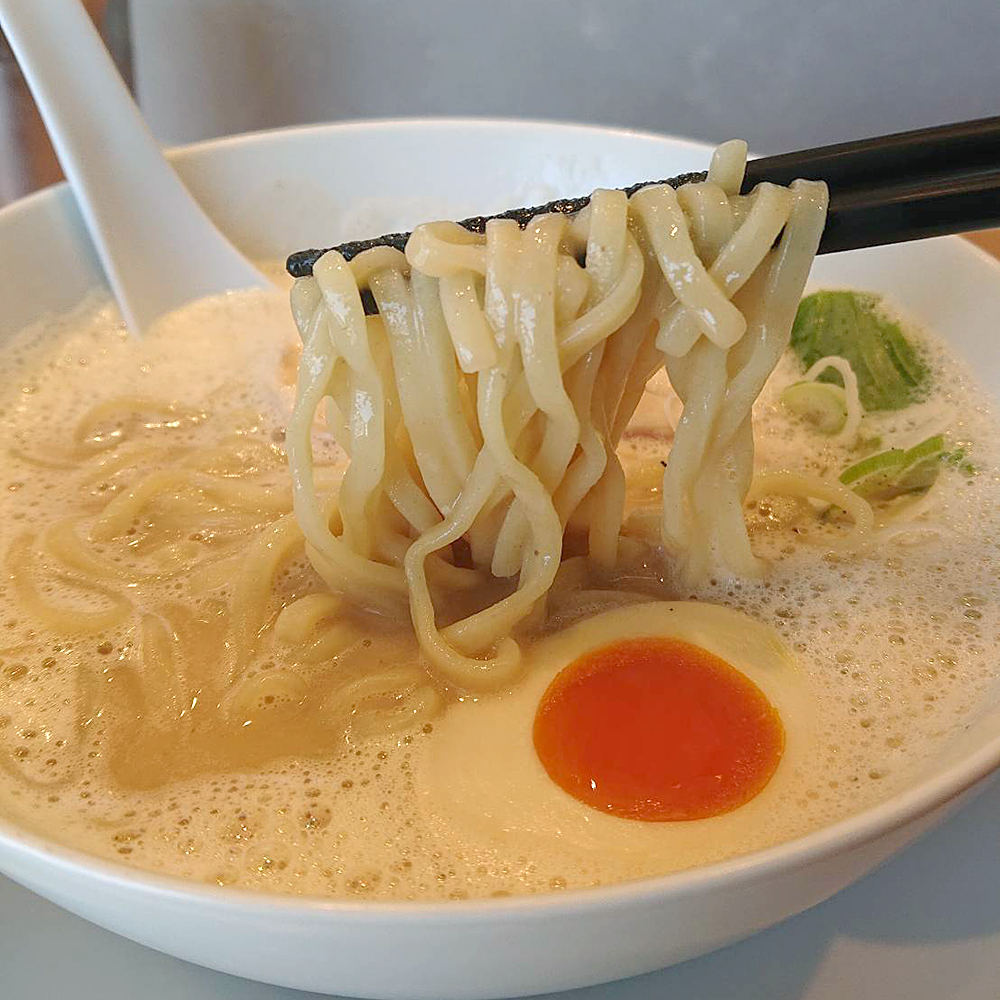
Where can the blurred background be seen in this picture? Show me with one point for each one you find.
(784, 74)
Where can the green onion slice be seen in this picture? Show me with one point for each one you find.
(822, 404)
(892, 473)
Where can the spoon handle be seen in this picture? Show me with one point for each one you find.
(157, 246)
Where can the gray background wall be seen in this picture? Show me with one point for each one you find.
(782, 73)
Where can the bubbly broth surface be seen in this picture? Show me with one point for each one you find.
(156, 709)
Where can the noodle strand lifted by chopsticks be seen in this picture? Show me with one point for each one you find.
(482, 406)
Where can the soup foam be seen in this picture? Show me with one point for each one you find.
(897, 648)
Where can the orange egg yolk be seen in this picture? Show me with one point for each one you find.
(657, 729)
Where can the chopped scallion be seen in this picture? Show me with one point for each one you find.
(822, 404)
(892, 473)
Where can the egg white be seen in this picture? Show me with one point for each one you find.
(481, 779)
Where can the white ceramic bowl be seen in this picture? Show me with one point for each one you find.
(281, 191)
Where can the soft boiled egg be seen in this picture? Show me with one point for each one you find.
(648, 738)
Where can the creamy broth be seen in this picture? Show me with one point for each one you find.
(180, 739)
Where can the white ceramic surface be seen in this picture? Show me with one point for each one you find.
(158, 247)
(275, 192)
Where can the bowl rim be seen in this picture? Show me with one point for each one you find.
(456, 123)
(846, 834)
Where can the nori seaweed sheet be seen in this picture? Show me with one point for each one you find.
(300, 264)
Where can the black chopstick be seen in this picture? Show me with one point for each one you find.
(888, 189)
(920, 152)
(912, 210)
(899, 187)
(300, 264)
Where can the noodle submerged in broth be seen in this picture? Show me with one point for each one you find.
(294, 638)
